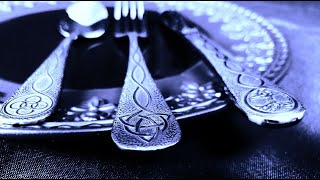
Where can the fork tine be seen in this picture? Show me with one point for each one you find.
(117, 10)
(133, 10)
(140, 7)
(125, 8)
(134, 23)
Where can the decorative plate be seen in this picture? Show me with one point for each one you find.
(86, 106)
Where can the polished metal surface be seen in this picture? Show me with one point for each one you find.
(220, 143)
(194, 92)
(143, 120)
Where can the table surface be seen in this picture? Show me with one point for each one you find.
(218, 144)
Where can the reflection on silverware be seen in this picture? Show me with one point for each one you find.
(252, 29)
(143, 121)
(36, 99)
(260, 99)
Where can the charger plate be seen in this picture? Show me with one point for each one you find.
(192, 91)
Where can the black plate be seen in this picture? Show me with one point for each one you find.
(96, 69)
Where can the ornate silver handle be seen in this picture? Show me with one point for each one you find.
(260, 99)
(37, 97)
(143, 121)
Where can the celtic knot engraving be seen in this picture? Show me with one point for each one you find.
(37, 97)
(28, 105)
(145, 125)
(270, 101)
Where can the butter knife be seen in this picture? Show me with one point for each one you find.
(261, 100)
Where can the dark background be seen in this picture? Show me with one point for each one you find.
(219, 144)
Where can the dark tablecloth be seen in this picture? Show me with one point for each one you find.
(218, 144)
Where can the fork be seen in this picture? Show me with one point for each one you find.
(143, 121)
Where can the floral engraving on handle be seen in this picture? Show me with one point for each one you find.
(269, 101)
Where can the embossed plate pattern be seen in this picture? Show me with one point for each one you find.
(244, 35)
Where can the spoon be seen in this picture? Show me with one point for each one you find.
(37, 97)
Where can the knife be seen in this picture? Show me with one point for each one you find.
(261, 100)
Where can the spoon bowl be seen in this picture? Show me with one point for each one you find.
(85, 19)
(69, 27)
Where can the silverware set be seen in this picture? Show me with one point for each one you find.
(144, 121)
